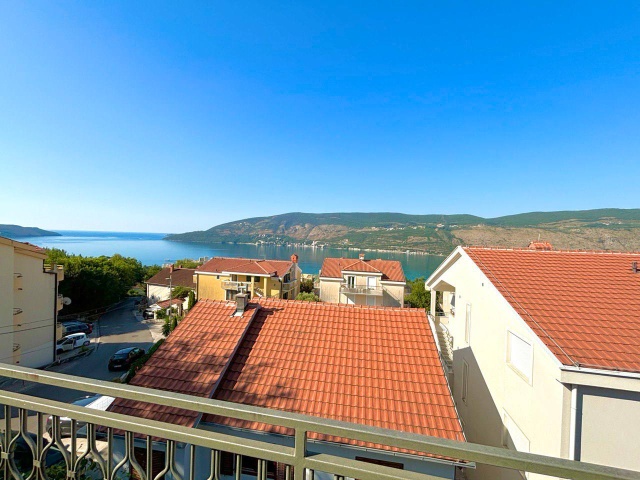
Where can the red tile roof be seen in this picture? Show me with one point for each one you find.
(247, 266)
(179, 277)
(368, 365)
(584, 305)
(190, 361)
(391, 270)
(173, 301)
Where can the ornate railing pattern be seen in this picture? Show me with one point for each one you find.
(97, 459)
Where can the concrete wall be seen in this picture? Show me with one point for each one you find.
(6, 303)
(330, 290)
(157, 293)
(496, 391)
(609, 427)
(393, 295)
(210, 286)
(34, 329)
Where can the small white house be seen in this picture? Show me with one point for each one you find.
(158, 285)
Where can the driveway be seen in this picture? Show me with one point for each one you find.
(119, 328)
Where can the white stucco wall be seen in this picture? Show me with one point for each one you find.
(157, 293)
(609, 427)
(6, 303)
(534, 406)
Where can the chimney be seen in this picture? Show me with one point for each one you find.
(171, 268)
(294, 258)
(241, 303)
(546, 246)
(361, 256)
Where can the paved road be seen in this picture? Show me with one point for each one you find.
(120, 328)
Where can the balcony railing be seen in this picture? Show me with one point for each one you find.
(59, 269)
(232, 285)
(361, 289)
(116, 442)
(288, 286)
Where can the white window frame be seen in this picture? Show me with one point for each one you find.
(525, 375)
(465, 381)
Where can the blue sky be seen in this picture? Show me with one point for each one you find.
(179, 116)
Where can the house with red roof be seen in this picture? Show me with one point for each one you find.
(222, 278)
(368, 365)
(170, 276)
(360, 281)
(543, 350)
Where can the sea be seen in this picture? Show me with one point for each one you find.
(151, 249)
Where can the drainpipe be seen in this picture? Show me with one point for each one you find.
(54, 272)
(574, 422)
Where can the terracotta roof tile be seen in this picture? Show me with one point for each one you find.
(190, 361)
(368, 365)
(179, 277)
(248, 266)
(348, 363)
(584, 305)
(391, 270)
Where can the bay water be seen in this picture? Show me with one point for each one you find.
(150, 249)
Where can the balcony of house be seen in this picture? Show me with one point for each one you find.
(49, 439)
(57, 269)
(236, 286)
(288, 286)
(60, 302)
(351, 289)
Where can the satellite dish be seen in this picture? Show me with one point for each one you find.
(66, 301)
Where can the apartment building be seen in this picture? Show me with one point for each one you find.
(29, 305)
(543, 350)
(359, 281)
(222, 278)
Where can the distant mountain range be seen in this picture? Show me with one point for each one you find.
(607, 229)
(16, 231)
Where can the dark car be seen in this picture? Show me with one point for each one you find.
(23, 456)
(77, 327)
(125, 357)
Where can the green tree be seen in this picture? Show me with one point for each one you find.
(306, 285)
(308, 297)
(192, 300)
(180, 291)
(150, 271)
(419, 296)
(186, 263)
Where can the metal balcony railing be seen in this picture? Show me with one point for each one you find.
(232, 285)
(123, 442)
(288, 286)
(361, 289)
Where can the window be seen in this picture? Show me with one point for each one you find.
(467, 325)
(465, 381)
(351, 281)
(371, 282)
(520, 355)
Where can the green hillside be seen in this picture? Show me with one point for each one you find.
(16, 231)
(602, 228)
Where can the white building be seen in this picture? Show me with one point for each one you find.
(357, 281)
(158, 285)
(544, 350)
(29, 305)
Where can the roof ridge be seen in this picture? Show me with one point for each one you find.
(555, 250)
(233, 355)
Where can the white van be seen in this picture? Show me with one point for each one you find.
(72, 341)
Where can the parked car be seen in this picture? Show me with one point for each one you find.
(72, 341)
(98, 402)
(77, 327)
(147, 313)
(125, 357)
